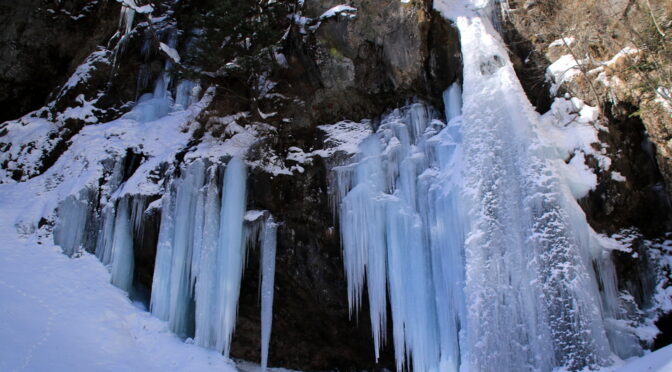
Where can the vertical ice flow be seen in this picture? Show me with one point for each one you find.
(469, 229)
(400, 229)
(268, 247)
(231, 254)
(122, 248)
(201, 252)
(75, 222)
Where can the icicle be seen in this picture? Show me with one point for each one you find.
(268, 246)
(387, 232)
(172, 294)
(186, 94)
(206, 328)
(363, 237)
(106, 235)
(126, 20)
(200, 254)
(122, 248)
(230, 254)
(452, 98)
(73, 230)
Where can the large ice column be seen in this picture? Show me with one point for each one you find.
(206, 328)
(397, 219)
(75, 229)
(115, 242)
(268, 242)
(363, 237)
(172, 287)
(230, 254)
(441, 200)
(527, 279)
(122, 248)
(200, 254)
(529, 255)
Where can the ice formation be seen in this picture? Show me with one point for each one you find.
(268, 248)
(200, 254)
(474, 233)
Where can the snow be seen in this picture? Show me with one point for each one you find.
(562, 42)
(83, 71)
(657, 361)
(562, 70)
(344, 136)
(170, 52)
(253, 215)
(618, 177)
(342, 10)
(570, 129)
(145, 9)
(664, 98)
(62, 314)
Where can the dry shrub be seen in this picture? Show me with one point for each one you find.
(602, 28)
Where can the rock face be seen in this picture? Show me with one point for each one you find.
(349, 68)
(360, 65)
(42, 42)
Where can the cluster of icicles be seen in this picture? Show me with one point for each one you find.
(485, 268)
(204, 233)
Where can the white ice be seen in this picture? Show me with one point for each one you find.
(473, 230)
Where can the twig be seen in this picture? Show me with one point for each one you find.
(585, 74)
(653, 18)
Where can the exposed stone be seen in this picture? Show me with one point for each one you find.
(42, 42)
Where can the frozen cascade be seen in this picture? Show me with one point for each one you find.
(201, 254)
(230, 257)
(75, 224)
(400, 230)
(172, 285)
(121, 222)
(122, 248)
(268, 246)
(474, 235)
(107, 221)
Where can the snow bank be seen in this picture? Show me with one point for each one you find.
(342, 10)
(62, 314)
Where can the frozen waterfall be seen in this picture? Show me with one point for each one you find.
(268, 247)
(474, 236)
(200, 254)
(401, 228)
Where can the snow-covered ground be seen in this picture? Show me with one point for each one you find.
(62, 314)
(658, 361)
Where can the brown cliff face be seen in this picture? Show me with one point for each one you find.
(624, 53)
